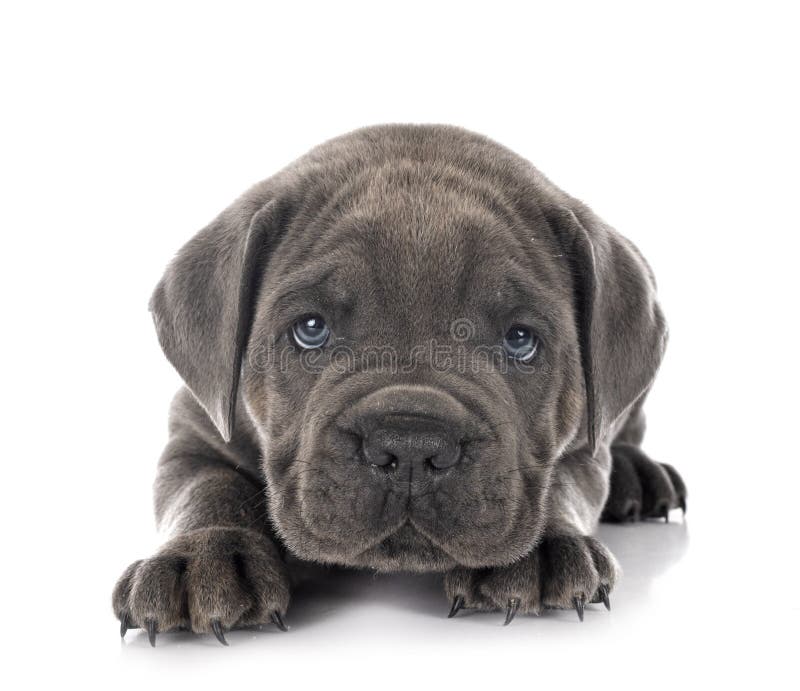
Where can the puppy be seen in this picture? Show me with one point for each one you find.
(408, 350)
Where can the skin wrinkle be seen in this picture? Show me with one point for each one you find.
(395, 235)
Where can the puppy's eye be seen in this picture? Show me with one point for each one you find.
(521, 343)
(311, 332)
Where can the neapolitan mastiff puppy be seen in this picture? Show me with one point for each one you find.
(408, 350)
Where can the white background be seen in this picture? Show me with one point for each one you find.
(127, 126)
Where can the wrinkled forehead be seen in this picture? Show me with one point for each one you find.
(424, 259)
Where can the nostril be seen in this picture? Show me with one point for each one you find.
(378, 456)
(445, 459)
(399, 447)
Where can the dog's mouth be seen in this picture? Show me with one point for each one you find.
(475, 519)
(407, 548)
(409, 535)
(411, 547)
(403, 546)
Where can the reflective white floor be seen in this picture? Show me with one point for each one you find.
(674, 615)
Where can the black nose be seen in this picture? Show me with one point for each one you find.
(413, 444)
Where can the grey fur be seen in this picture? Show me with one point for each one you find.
(394, 233)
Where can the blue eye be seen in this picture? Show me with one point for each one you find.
(521, 343)
(311, 332)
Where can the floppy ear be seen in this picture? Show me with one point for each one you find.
(621, 329)
(203, 305)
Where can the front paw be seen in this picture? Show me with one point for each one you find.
(563, 572)
(641, 487)
(208, 580)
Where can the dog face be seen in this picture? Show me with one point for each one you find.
(416, 316)
(413, 436)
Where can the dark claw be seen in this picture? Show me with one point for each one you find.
(277, 619)
(511, 612)
(578, 603)
(152, 630)
(123, 624)
(603, 592)
(632, 513)
(682, 504)
(458, 603)
(665, 514)
(216, 627)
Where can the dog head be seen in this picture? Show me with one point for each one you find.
(418, 325)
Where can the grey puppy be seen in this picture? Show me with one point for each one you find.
(408, 350)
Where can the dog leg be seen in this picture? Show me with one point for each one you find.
(220, 569)
(641, 488)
